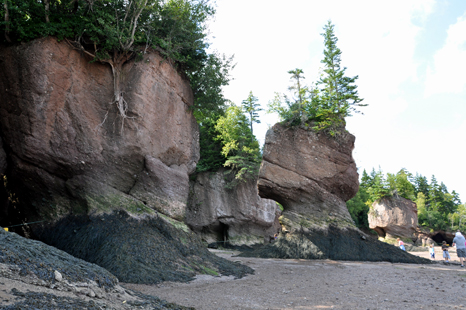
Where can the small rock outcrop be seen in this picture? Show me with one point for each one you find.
(238, 215)
(393, 217)
(312, 175)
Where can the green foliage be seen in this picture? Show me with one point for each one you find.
(207, 82)
(437, 208)
(400, 185)
(239, 146)
(358, 208)
(211, 158)
(177, 28)
(325, 105)
(252, 108)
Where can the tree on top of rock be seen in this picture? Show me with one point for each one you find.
(325, 105)
(252, 108)
(338, 95)
(117, 31)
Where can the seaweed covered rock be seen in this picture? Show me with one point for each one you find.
(313, 175)
(393, 217)
(236, 215)
(144, 249)
(43, 261)
(40, 276)
(69, 149)
(333, 242)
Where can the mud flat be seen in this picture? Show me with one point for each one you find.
(323, 284)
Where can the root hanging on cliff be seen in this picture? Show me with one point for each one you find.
(116, 63)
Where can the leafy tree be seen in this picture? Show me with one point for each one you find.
(252, 108)
(358, 208)
(240, 148)
(211, 158)
(116, 31)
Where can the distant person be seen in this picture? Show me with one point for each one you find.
(459, 242)
(401, 244)
(432, 251)
(446, 255)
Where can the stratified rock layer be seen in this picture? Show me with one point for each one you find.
(237, 215)
(69, 149)
(393, 217)
(312, 175)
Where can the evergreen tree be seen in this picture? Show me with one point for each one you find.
(291, 110)
(251, 107)
(338, 93)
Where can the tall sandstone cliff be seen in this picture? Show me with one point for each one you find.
(69, 151)
(312, 175)
(104, 190)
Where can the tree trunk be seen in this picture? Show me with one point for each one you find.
(47, 11)
(7, 21)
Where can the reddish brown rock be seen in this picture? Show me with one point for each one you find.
(236, 215)
(393, 217)
(312, 175)
(69, 148)
(309, 173)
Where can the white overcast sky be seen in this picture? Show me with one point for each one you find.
(410, 56)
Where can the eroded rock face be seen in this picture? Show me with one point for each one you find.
(70, 150)
(236, 215)
(312, 175)
(393, 217)
(309, 173)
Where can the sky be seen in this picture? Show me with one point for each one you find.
(410, 56)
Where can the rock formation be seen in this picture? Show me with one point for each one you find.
(393, 217)
(99, 183)
(236, 215)
(312, 175)
(70, 151)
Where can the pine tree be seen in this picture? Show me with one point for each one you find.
(339, 96)
(251, 107)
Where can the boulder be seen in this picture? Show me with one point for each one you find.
(238, 215)
(393, 217)
(70, 150)
(312, 175)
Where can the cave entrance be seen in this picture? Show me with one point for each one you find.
(222, 234)
(440, 237)
(380, 231)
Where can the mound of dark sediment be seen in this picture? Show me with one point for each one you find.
(333, 243)
(39, 260)
(143, 250)
(45, 301)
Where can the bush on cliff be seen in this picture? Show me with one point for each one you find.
(117, 31)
